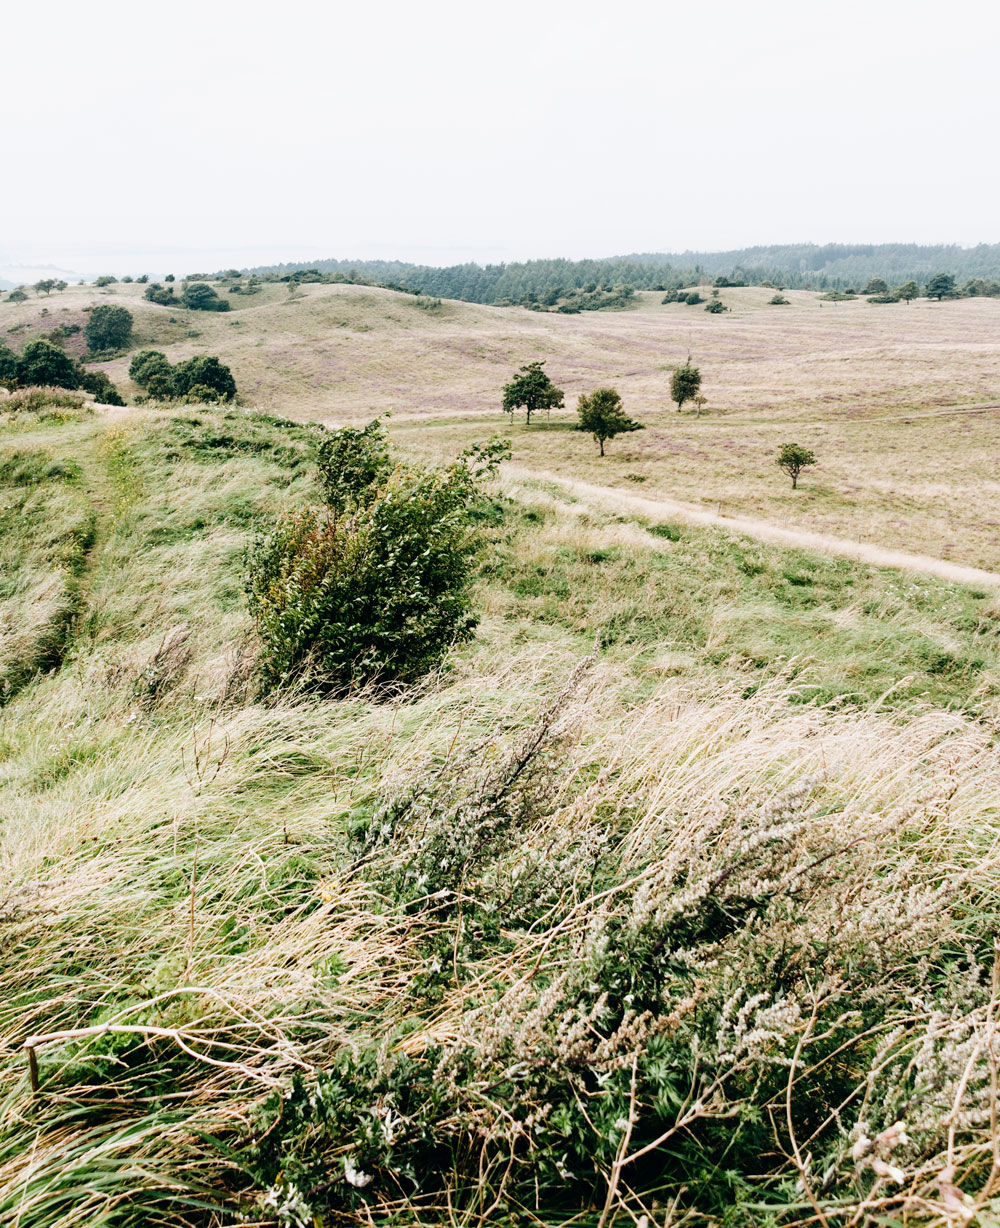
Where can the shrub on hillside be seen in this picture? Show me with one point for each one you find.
(146, 364)
(105, 280)
(716, 307)
(156, 293)
(8, 366)
(17, 296)
(204, 371)
(374, 587)
(41, 362)
(198, 296)
(108, 328)
(101, 388)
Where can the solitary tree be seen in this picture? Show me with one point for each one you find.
(531, 390)
(108, 328)
(908, 291)
(685, 383)
(793, 459)
(46, 286)
(941, 285)
(17, 296)
(603, 415)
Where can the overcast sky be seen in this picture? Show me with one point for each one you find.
(202, 133)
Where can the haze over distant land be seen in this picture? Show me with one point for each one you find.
(440, 133)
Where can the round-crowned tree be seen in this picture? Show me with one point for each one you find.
(108, 328)
(147, 364)
(793, 458)
(41, 362)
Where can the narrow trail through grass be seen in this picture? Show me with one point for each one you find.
(762, 530)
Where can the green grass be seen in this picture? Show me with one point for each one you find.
(503, 914)
(836, 627)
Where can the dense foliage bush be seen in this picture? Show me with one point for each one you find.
(156, 293)
(99, 385)
(41, 362)
(374, 586)
(197, 296)
(109, 327)
(716, 307)
(204, 371)
(202, 378)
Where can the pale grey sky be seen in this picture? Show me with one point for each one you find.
(199, 133)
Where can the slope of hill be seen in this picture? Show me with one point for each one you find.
(724, 893)
(802, 265)
(890, 397)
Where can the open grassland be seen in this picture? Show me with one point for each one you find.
(889, 397)
(681, 929)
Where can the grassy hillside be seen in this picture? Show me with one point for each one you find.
(677, 928)
(872, 389)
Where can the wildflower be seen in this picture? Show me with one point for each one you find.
(354, 1176)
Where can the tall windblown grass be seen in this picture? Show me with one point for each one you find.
(489, 956)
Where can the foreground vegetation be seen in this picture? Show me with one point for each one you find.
(697, 925)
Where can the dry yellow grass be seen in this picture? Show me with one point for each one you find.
(872, 389)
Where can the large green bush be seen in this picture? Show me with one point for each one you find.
(41, 362)
(374, 586)
(146, 364)
(108, 328)
(204, 371)
(197, 296)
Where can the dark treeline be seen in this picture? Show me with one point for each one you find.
(834, 266)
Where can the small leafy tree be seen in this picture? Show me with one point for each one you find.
(778, 300)
(105, 280)
(17, 296)
(693, 298)
(685, 383)
(531, 390)
(603, 415)
(908, 291)
(41, 362)
(205, 370)
(716, 307)
(376, 587)
(941, 285)
(793, 458)
(109, 327)
(45, 286)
